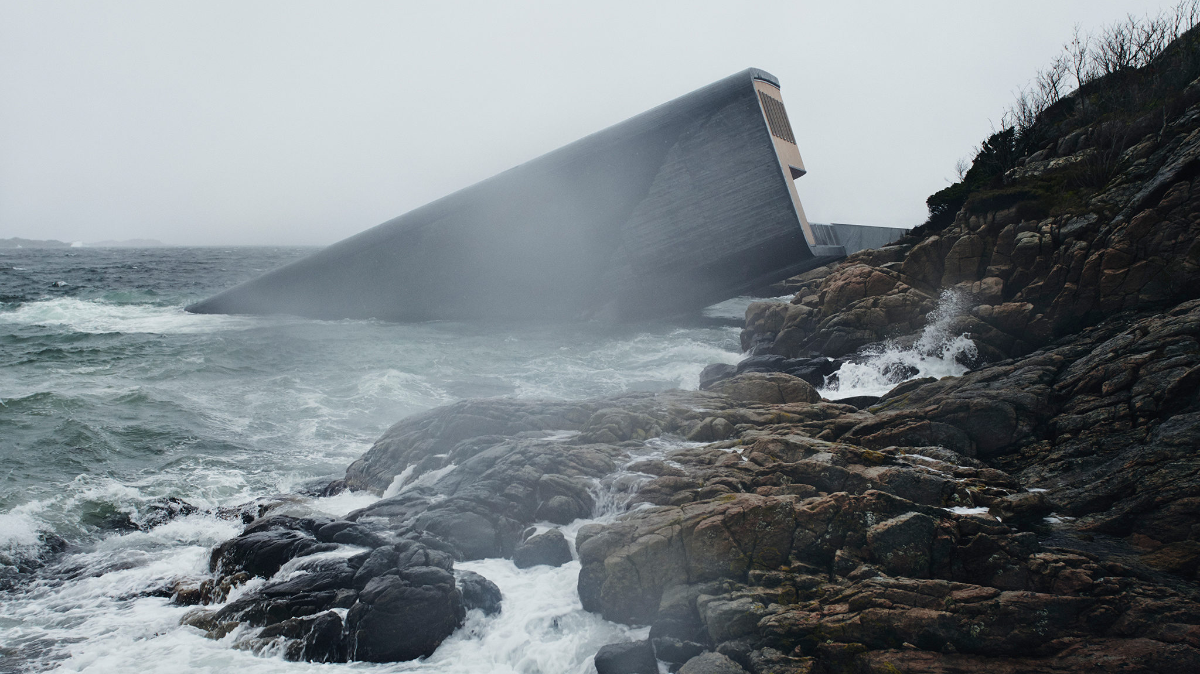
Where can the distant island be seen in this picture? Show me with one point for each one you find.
(17, 242)
(32, 243)
(127, 243)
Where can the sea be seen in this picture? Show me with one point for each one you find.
(113, 398)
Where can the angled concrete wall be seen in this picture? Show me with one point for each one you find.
(684, 205)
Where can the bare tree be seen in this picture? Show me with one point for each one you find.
(1051, 81)
(1117, 47)
(1047, 88)
(961, 167)
(1079, 56)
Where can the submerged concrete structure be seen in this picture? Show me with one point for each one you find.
(687, 204)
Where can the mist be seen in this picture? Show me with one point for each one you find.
(302, 123)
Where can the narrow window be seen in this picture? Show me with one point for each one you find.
(777, 119)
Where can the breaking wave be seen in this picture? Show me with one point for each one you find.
(937, 352)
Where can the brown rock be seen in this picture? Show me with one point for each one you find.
(767, 387)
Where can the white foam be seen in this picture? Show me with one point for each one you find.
(19, 539)
(399, 481)
(1055, 518)
(937, 353)
(263, 410)
(340, 505)
(542, 627)
(965, 510)
(427, 479)
(102, 317)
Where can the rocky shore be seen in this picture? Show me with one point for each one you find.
(787, 536)
(1039, 513)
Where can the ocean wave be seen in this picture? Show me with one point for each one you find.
(937, 352)
(101, 317)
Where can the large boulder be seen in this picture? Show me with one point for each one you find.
(631, 657)
(767, 387)
(478, 592)
(903, 546)
(711, 663)
(313, 639)
(264, 546)
(628, 566)
(549, 549)
(403, 617)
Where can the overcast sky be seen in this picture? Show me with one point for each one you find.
(303, 123)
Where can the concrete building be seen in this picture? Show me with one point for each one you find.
(687, 204)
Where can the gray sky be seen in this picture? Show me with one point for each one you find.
(295, 122)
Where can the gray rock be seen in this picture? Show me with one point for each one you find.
(315, 639)
(261, 553)
(669, 649)
(631, 657)
(731, 619)
(405, 617)
(549, 548)
(1022, 508)
(478, 592)
(711, 663)
(902, 545)
(771, 388)
(714, 373)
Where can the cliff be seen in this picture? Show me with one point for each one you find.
(1095, 220)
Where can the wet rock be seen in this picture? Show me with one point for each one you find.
(1116, 655)
(476, 532)
(549, 548)
(771, 388)
(615, 424)
(563, 500)
(478, 592)
(1181, 558)
(859, 402)
(625, 568)
(761, 363)
(379, 562)
(714, 373)
(161, 511)
(711, 429)
(314, 639)
(261, 552)
(903, 546)
(1023, 508)
(711, 663)
(728, 619)
(348, 533)
(323, 585)
(440, 430)
(631, 657)
(676, 651)
(678, 621)
(403, 617)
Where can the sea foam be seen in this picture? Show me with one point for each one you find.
(938, 352)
